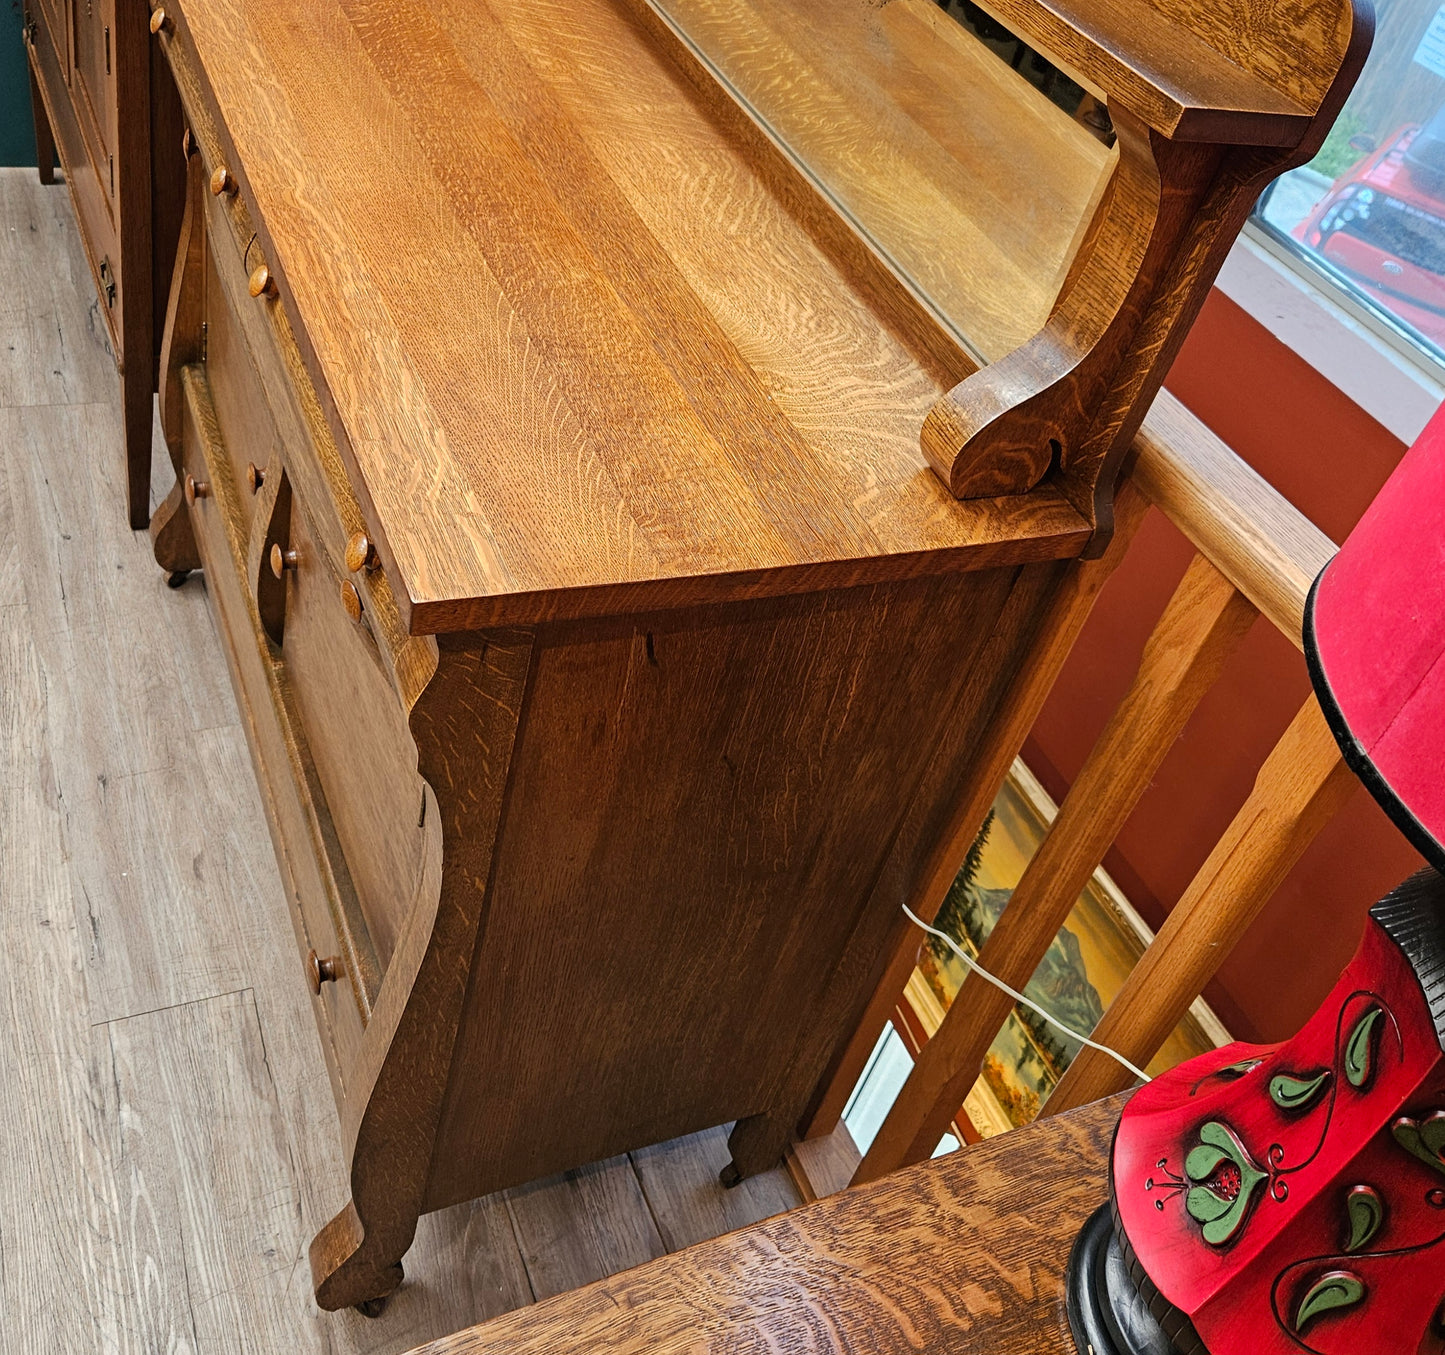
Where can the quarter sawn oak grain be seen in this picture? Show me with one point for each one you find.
(676, 670)
(963, 1254)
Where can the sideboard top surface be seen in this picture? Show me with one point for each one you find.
(582, 353)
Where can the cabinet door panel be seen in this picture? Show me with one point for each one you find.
(54, 16)
(93, 83)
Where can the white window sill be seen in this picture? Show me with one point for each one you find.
(1394, 389)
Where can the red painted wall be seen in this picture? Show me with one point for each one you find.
(1329, 458)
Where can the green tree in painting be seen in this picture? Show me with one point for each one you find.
(960, 905)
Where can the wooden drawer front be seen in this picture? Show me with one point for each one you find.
(281, 381)
(353, 720)
(357, 732)
(251, 439)
(85, 178)
(304, 839)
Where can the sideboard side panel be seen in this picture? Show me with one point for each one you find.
(700, 807)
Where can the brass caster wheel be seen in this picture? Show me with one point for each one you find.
(730, 1176)
(178, 578)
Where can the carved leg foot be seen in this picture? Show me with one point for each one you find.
(172, 539)
(757, 1145)
(44, 137)
(354, 1268)
(376, 1307)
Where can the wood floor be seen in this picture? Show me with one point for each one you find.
(168, 1142)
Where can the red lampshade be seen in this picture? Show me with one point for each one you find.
(1375, 641)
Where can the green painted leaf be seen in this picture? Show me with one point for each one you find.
(1424, 1138)
(1360, 1048)
(1219, 1135)
(1366, 1211)
(1202, 1161)
(1221, 1218)
(1205, 1206)
(1296, 1093)
(1222, 1230)
(1337, 1289)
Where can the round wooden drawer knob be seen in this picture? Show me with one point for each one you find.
(161, 22)
(196, 489)
(319, 971)
(361, 552)
(351, 599)
(255, 477)
(223, 181)
(282, 560)
(262, 283)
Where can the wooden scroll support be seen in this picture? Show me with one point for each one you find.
(1208, 110)
(390, 1118)
(998, 432)
(172, 538)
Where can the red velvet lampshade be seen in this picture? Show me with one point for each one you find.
(1375, 640)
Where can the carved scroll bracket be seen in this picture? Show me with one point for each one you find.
(181, 343)
(999, 431)
(390, 1119)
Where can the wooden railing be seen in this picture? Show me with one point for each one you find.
(1256, 554)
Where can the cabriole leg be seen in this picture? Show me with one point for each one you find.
(352, 1267)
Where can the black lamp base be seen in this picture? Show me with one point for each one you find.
(1107, 1314)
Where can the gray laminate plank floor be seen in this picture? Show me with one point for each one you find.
(168, 1141)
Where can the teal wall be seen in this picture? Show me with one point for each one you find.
(17, 131)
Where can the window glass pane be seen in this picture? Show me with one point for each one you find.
(1369, 209)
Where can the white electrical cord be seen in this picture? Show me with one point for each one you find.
(1019, 997)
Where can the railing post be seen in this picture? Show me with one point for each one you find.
(1057, 633)
(1303, 783)
(1203, 623)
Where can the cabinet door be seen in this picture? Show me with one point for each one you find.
(55, 16)
(93, 83)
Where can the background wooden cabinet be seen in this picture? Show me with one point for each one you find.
(89, 59)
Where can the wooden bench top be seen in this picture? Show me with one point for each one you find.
(963, 1254)
(584, 354)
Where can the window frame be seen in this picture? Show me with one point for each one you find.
(1312, 311)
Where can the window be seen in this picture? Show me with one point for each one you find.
(1368, 212)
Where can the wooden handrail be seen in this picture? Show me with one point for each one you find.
(1257, 553)
(1254, 536)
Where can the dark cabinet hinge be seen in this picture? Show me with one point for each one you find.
(107, 49)
(107, 281)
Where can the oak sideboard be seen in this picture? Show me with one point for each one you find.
(638, 455)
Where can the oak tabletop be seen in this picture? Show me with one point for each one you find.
(581, 351)
(963, 1254)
